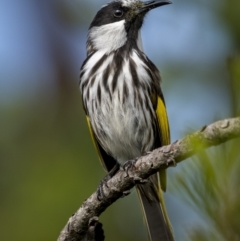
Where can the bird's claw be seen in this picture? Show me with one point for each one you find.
(130, 165)
(100, 190)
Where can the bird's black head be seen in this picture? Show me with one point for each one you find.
(117, 22)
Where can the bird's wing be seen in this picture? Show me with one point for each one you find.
(163, 132)
(107, 161)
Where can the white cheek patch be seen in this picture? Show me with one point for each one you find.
(109, 37)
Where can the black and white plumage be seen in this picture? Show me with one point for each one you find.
(123, 100)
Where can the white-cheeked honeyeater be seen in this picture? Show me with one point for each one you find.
(123, 100)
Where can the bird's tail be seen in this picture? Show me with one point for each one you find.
(158, 224)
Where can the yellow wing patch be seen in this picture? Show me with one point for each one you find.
(164, 134)
(163, 126)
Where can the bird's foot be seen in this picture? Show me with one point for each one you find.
(130, 165)
(100, 191)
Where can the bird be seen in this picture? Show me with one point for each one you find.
(123, 101)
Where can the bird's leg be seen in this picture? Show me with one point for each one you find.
(111, 173)
(114, 170)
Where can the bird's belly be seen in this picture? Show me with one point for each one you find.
(125, 131)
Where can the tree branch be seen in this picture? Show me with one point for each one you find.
(161, 158)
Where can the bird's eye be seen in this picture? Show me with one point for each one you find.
(118, 13)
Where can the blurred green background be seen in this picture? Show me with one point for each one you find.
(48, 164)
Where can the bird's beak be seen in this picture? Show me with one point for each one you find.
(149, 5)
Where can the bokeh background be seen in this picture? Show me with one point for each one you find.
(48, 164)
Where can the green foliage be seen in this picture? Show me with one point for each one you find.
(210, 186)
(211, 180)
